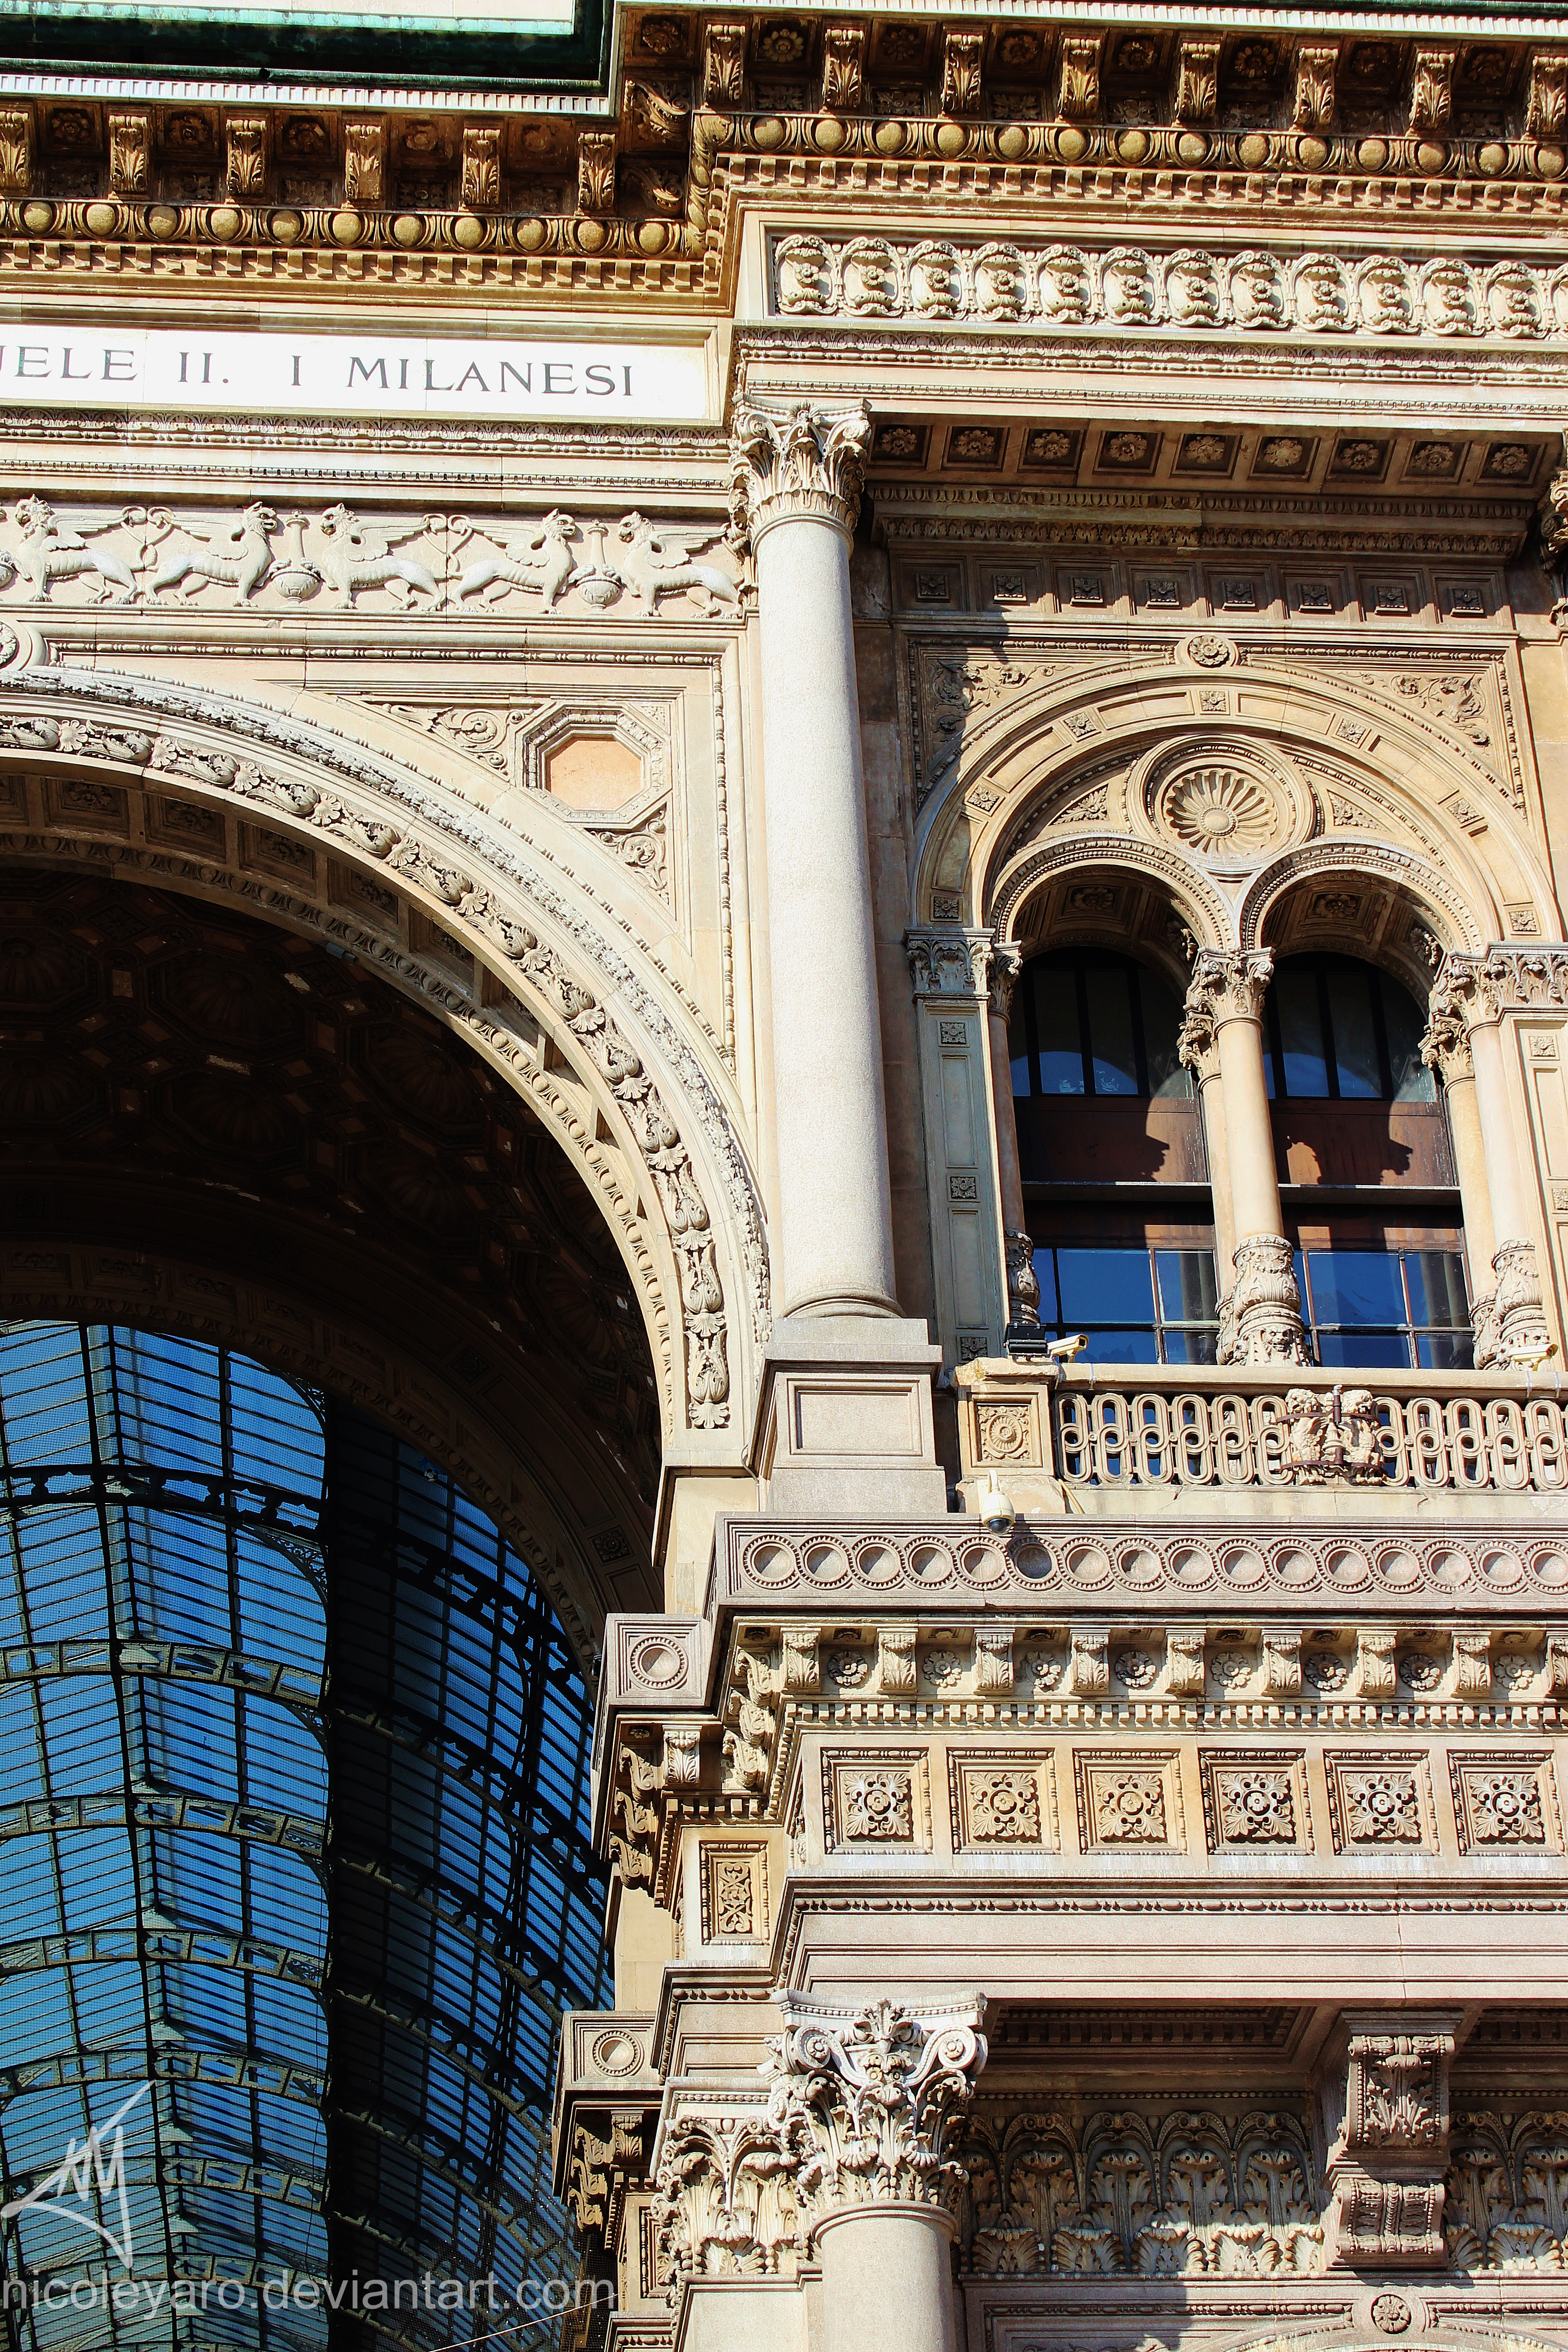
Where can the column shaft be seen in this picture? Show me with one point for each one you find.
(1521, 1335)
(887, 2280)
(1447, 1047)
(1225, 1003)
(1023, 1289)
(835, 1212)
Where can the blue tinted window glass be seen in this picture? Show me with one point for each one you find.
(1445, 1351)
(1045, 1276)
(1018, 1047)
(1403, 1023)
(1186, 1280)
(1355, 1040)
(1111, 1030)
(1357, 1286)
(1122, 1348)
(1356, 1351)
(1436, 1280)
(1302, 1033)
(1162, 1026)
(1193, 1347)
(1110, 1285)
(1057, 1031)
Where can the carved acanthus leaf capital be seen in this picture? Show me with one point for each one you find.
(1002, 978)
(870, 2098)
(950, 962)
(808, 465)
(1446, 1044)
(1228, 985)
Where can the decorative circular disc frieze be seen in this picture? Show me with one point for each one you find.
(657, 1663)
(617, 2053)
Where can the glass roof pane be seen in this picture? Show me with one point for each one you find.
(309, 1733)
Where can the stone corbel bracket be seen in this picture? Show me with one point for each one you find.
(606, 2097)
(1383, 2119)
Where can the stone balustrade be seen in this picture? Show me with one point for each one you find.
(1089, 1438)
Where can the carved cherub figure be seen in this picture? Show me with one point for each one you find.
(540, 560)
(358, 556)
(47, 553)
(653, 561)
(243, 571)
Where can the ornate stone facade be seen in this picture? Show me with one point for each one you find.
(925, 658)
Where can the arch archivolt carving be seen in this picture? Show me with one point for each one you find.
(1194, 899)
(1225, 760)
(316, 834)
(1452, 917)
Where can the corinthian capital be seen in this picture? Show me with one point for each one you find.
(1446, 1044)
(868, 2099)
(809, 463)
(1227, 986)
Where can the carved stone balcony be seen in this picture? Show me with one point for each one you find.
(1153, 1438)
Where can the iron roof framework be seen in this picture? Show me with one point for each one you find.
(295, 1874)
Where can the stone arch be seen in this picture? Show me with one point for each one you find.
(1434, 900)
(1026, 748)
(204, 792)
(1192, 897)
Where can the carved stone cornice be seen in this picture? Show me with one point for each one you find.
(805, 466)
(1227, 985)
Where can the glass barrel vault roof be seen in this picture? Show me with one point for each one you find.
(295, 1874)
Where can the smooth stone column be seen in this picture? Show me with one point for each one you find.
(796, 484)
(887, 2279)
(1472, 989)
(1199, 1048)
(1228, 991)
(1445, 1047)
(1022, 1284)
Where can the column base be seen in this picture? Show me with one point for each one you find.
(1523, 1339)
(844, 1423)
(1266, 1305)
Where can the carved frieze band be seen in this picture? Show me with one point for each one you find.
(1461, 1565)
(261, 556)
(1124, 286)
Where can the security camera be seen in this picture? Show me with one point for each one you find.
(1062, 1351)
(995, 1508)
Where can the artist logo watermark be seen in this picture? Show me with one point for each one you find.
(87, 2191)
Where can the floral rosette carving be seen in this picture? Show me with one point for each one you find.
(874, 2098)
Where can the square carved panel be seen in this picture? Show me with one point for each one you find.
(1129, 1800)
(1380, 1801)
(1506, 1802)
(734, 1873)
(1255, 1800)
(876, 1800)
(1003, 1800)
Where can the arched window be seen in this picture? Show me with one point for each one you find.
(1110, 1150)
(1086, 1022)
(1338, 1030)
